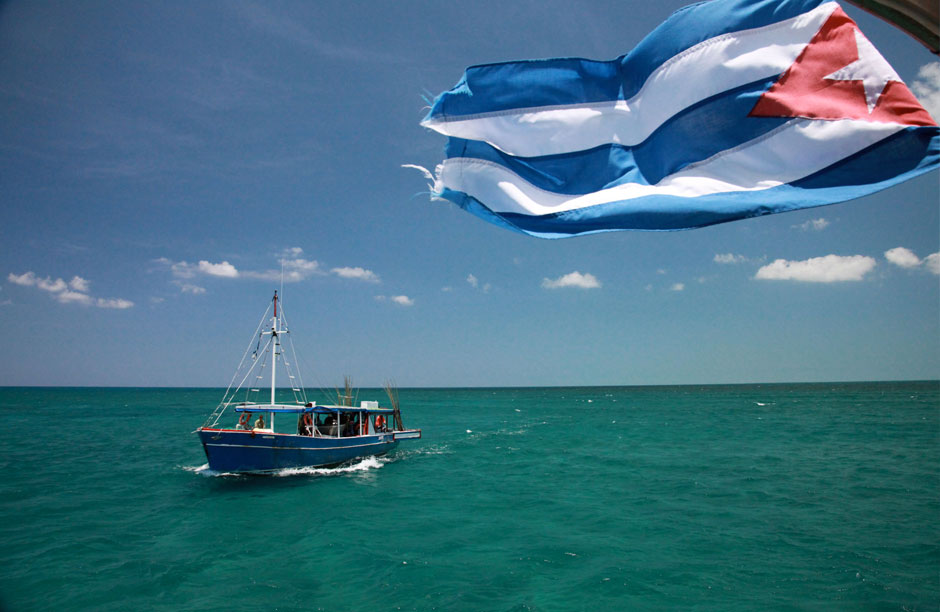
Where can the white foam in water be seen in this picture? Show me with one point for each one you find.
(365, 464)
(203, 470)
(368, 463)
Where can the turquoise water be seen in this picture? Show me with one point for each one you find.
(784, 497)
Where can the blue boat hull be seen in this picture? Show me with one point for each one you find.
(239, 451)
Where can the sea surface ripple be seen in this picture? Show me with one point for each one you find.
(745, 497)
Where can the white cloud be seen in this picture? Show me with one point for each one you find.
(401, 300)
(357, 273)
(73, 292)
(179, 269)
(224, 269)
(68, 297)
(906, 258)
(474, 282)
(572, 279)
(902, 257)
(190, 288)
(27, 280)
(932, 262)
(184, 269)
(677, 287)
(828, 269)
(927, 88)
(729, 258)
(117, 303)
(292, 270)
(52, 286)
(79, 284)
(298, 269)
(817, 225)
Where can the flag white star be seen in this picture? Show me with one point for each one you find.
(870, 68)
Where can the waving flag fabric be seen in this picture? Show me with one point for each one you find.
(730, 109)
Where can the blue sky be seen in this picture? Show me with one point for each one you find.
(160, 161)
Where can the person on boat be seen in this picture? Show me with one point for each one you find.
(259, 424)
(304, 423)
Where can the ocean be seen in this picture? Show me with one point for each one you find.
(741, 497)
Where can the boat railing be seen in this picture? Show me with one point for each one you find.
(321, 421)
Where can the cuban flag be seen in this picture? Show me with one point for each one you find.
(730, 109)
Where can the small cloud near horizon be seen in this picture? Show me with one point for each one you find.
(75, 291)
(294, 268)
(474, 282)
(902, 257)
(184, 269)
(729, 258)
(357, 273)
(932, 262)
(827, 269)
(190, 288)
(573, 279)
(907, 259)
(817, 225)
(400, 300)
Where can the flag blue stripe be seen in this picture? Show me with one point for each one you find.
(493, 88)
(907, 154)
(697, 133)
(703, 130)
(695, 23)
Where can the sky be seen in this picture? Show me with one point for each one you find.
(161, 163)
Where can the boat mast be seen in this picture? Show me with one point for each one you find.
(276, 342)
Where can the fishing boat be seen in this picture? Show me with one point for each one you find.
(309, 434)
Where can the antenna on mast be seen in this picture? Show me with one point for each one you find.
(282, 277)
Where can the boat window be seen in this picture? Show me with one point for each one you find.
(326, 424)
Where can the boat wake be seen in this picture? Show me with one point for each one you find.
(203, 470)
(363, 465)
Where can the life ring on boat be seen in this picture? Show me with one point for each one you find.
(379, 423)
(243, 419)
(308, 422)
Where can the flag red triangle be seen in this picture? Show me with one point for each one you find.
(804, 91)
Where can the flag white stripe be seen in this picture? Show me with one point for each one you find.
(732, 60)
(793, 151)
